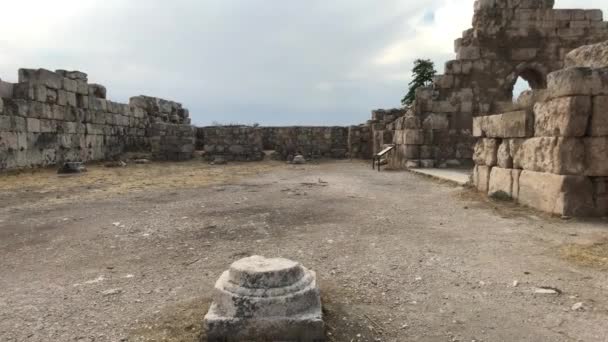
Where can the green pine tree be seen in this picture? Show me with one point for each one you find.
(423, 73)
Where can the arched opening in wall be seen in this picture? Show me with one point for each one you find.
(527, 79)
(520, 87)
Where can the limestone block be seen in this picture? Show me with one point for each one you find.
(62, 99)
(523, 54)
(265, 300)
(599, 118)
(500, 185)
(412, 137)
(485, 152)
(71, 99)
(427, 152)
(97, 90)
(468, 52)
(504, 158)
(69, 85)
(529, 98)
(563, 156)
(596, 153)
(409, 151)
(556, 194)
(575, 81)
(82, 88)
(33, 125)
(436, 121)
(564, 116)
(6, 89)
(515, 175)
(408, 122)
(5, 123)
(591, 56)
(481, 178)
(82, 101)
(518, 124)
(51, 96)
(96, 103)
(41, 77)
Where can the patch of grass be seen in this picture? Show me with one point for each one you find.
(591, 255)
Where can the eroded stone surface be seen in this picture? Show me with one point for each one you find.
(592, 56)
(263, 299)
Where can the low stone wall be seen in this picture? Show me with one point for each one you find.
(249, 143)
(311, 142)
(53, 117)
(240, 143)
(553, 156)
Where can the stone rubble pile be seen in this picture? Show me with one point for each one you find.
(552, 155)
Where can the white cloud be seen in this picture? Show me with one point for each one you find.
(274, 62)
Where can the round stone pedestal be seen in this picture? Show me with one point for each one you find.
(261, 299)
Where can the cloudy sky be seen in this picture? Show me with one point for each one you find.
(274, 62)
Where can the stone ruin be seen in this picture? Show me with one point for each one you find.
(509, 39)
(551, 155)
(261, 299)
(468, 117)
(49, 118)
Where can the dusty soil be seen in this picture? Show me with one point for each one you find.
(132, 254)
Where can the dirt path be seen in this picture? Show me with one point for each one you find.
(132, 255)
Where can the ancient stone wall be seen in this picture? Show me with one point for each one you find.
(550, 154)
(360, 142)
(53, 117)
(248, 143)
(234, 143)
(311, 142)
(509, 39)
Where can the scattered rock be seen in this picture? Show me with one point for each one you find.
(72, 167)
(219, 160)
(515, 283)
(578, 307)
(112, 292)
(114, 164)
(548, 290)
(299, 160)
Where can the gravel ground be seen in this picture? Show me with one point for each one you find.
(400, 257)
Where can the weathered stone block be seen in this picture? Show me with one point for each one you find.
(599, 119)
(596, 153)
(500, 185)
(485, 152)
(515, 175)
(69, 85)
(436, 121)
(564, 116)
(591, 56)
(82, 88)
(556, 194)
(564, 156)
(33, 125)
(41, 77)
(98, 91)
(504, 158)
(575, 81)
(481, 177)
(518, 124)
